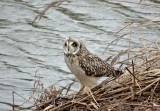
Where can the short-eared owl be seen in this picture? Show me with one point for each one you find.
(87, 67)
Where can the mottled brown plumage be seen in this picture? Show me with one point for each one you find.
(87, 67)
(96, 67)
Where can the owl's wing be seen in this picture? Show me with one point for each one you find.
(95, 66)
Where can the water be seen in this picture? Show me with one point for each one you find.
(26, 48)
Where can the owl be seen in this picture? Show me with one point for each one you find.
(86, 66)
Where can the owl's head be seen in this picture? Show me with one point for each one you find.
(72, 46)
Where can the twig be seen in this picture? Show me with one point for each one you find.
(115, 40)
(140, 1)
(134, 82)
(69, 86)
(94, 98)
(118, 56)
(133, 75)
(124, 27)
(13, 92)
(53, 4)
(13, 100)
(156, 80)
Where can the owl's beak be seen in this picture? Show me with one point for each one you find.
(66, 52)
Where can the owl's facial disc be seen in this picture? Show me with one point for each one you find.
(71, 46)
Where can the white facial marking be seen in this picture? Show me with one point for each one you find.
(71, 46)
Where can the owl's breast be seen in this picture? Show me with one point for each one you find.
(79, 73)
(72, 62)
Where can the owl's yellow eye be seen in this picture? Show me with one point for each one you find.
(74, 44)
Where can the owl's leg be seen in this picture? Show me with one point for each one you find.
(87, 90)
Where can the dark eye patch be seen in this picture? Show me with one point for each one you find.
(65, 44)
(74, 44)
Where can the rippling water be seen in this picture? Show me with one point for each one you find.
(26, 48)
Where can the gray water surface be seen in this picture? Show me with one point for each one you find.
(26, 48)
